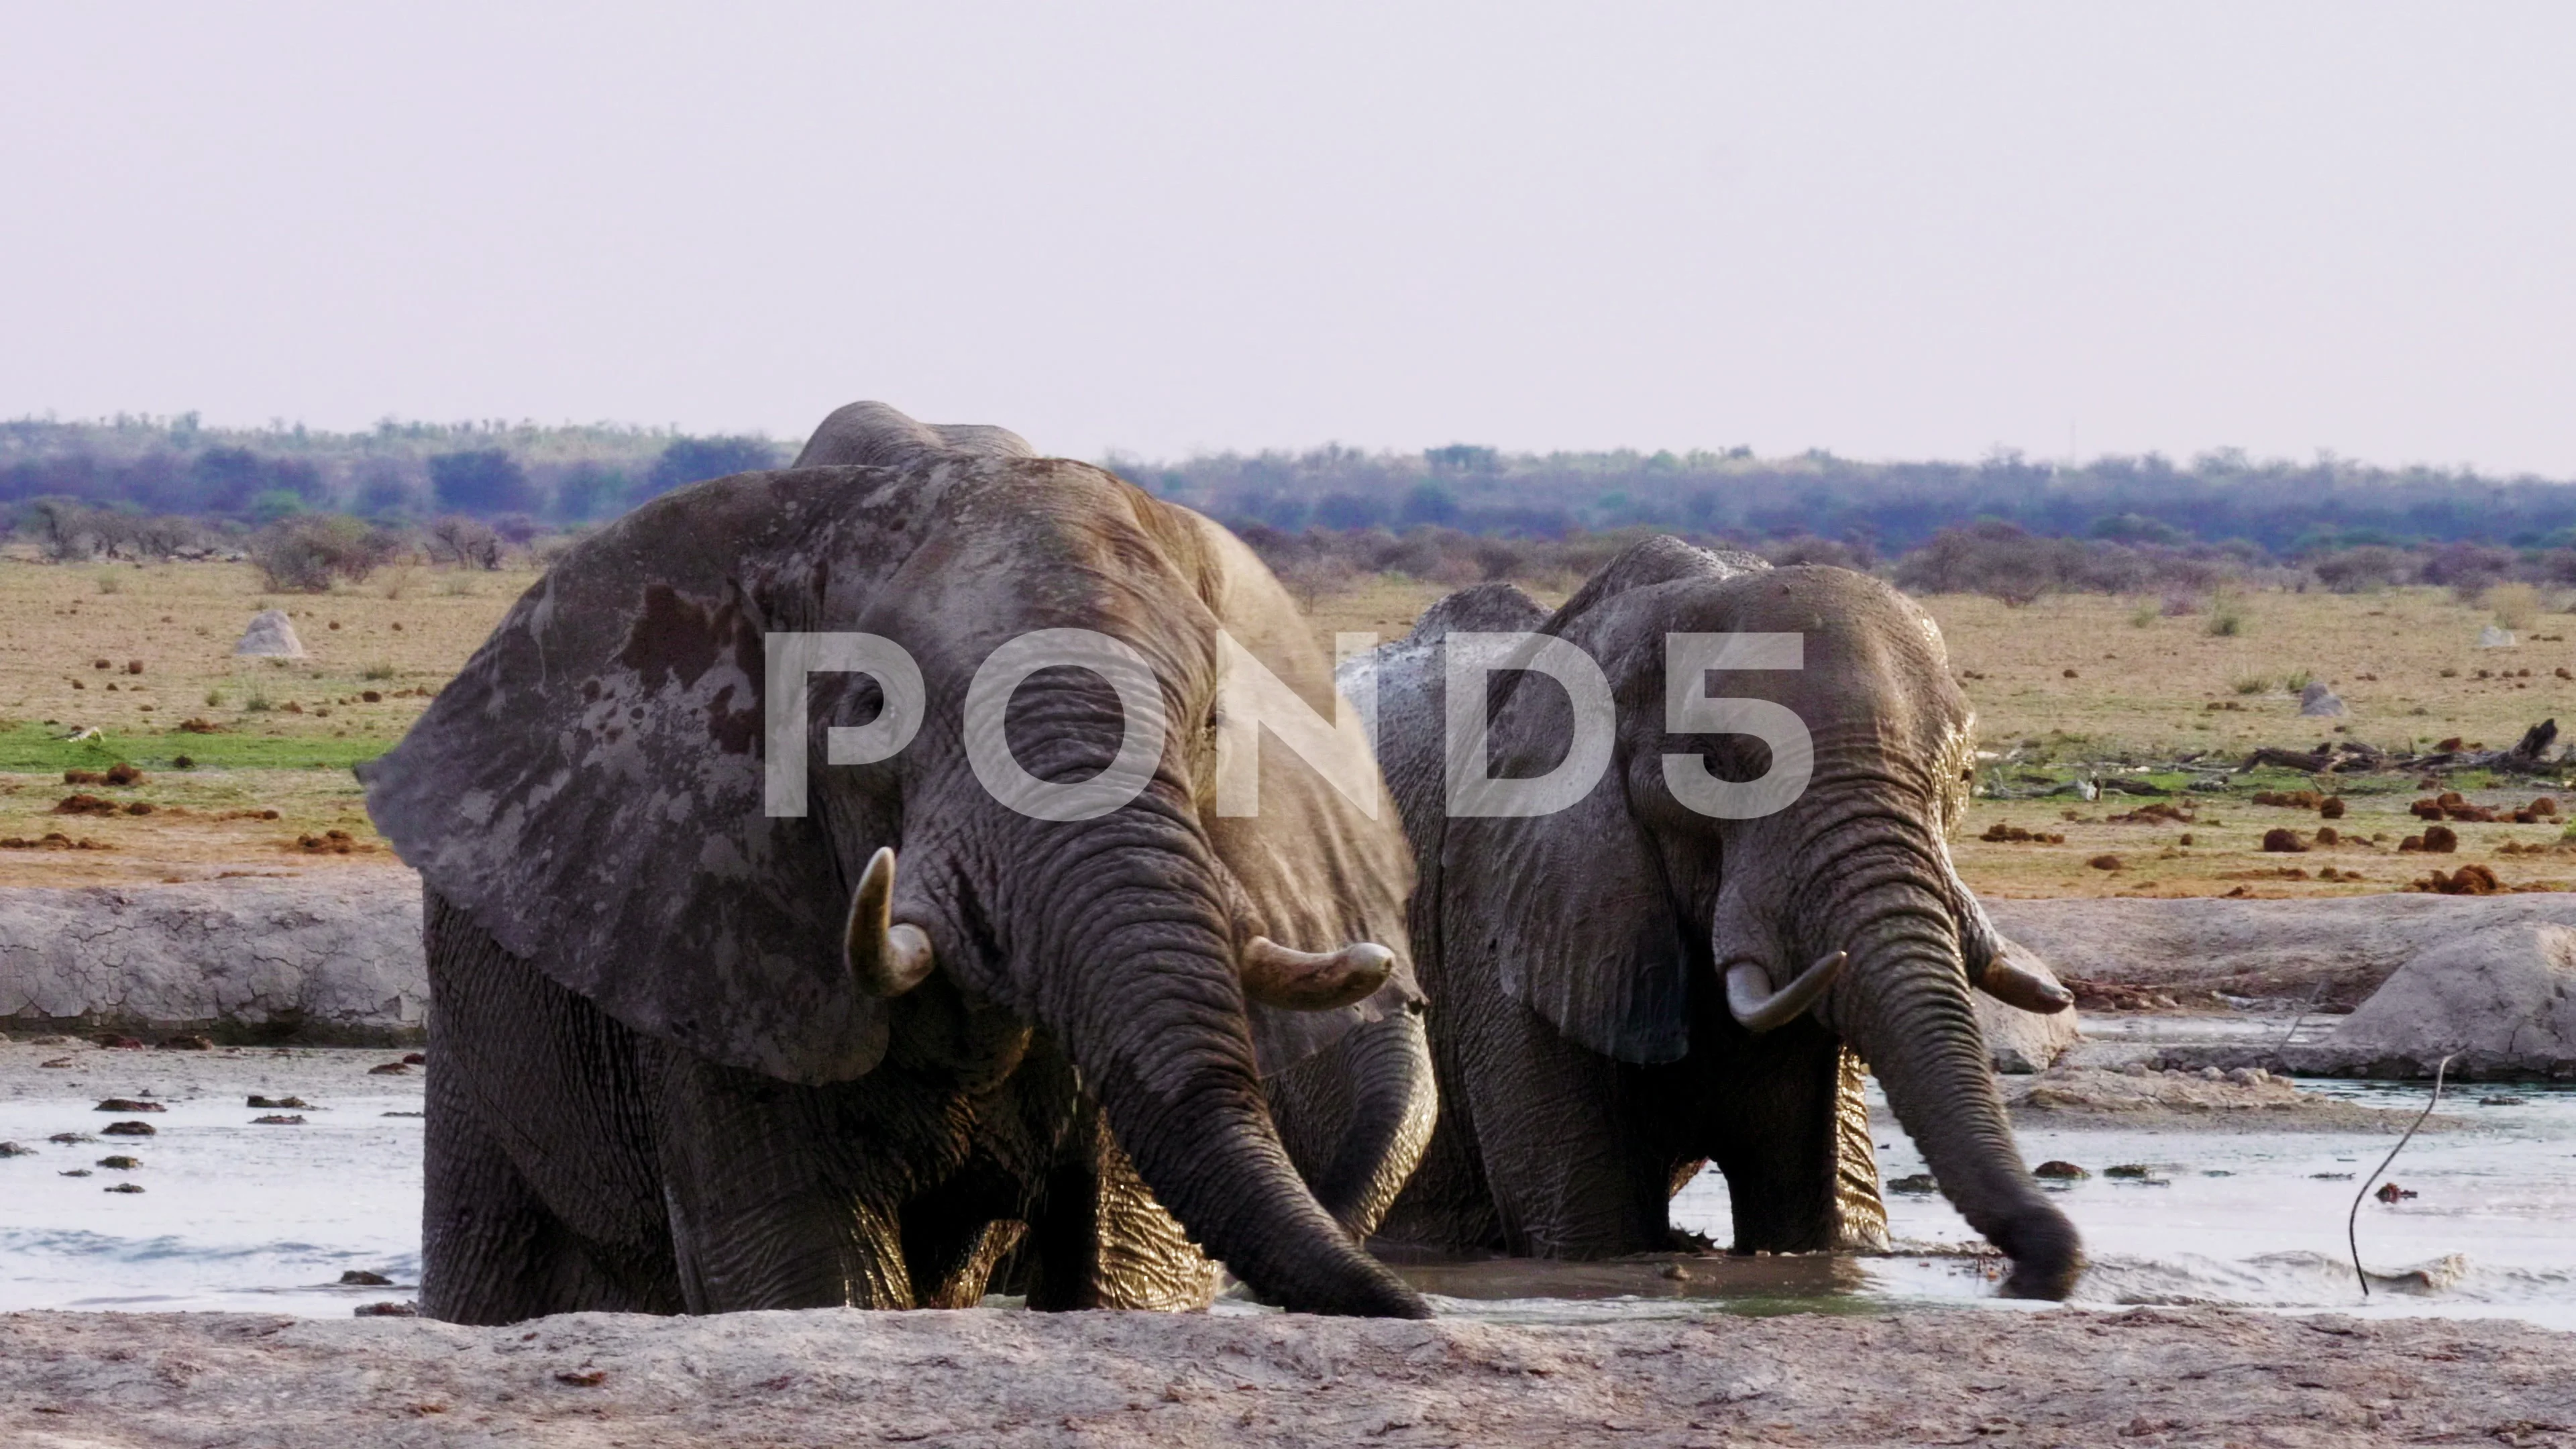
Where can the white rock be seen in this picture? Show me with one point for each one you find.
(271, 635)
(2492, 637)
(2502, 998)
(2024, 1041)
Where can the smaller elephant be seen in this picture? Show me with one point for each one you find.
(1689, 959)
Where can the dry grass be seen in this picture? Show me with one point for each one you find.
(182, 620)
(2226, 853)
(205, 823)
(2149, 688)
(2143, 683)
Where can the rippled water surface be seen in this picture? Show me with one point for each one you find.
(249, 1217)
(2247, 1219)
(233, 1215)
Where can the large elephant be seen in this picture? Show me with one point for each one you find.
(698, 1044)
(1629, 987)
(1353, 1091)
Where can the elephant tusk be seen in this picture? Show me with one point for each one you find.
(885, 958)
(2016, 985)
(1759, 1009)
(1276, 975)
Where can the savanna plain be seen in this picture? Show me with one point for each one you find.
(2111, 736)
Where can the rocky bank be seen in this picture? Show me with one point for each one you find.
(983, 1377)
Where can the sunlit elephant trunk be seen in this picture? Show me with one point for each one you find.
(1903, 1003)
(1140, 982)
(1394, 1105)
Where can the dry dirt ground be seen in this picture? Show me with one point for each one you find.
(836, 1377)
(2195, 1102)
(289, 728)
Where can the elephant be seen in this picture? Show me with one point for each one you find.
(1632, 986)
(718, 1023)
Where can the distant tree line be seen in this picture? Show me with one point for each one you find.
(253, 477)
(327, 505)
(2287, 509)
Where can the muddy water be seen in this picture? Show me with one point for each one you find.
(246, 1216)
(2244, 1219)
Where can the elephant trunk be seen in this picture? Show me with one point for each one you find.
(1904, 1005)
(1394, 1106)
(1141, 985)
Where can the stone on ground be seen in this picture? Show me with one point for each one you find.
(2503, 998)
(271, 635)
(2318, 700)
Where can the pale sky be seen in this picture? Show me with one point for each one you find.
(1889, 230)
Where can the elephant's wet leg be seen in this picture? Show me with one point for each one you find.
(492, 1252)
(1786, 1123)
(538, 1173)
(1570, 1171)
(1098, 1239)
(774, 1201)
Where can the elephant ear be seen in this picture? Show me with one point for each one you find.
(589, 787)
(1573, 908)
(1317, 872)
(1571, 911)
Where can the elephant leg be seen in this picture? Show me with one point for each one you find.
(537, 1180)
(1860, 1224)
(1100, 1240)
(957, 1233)
(764, 1211)
(1561, 1154)
(491, 1251)
(1790, 1130)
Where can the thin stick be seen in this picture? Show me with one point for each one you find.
(2316, 994)
(2352, 1219)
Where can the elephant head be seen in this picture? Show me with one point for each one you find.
(595, 789)
(1788, 873)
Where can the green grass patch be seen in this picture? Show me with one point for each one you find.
(25, 747)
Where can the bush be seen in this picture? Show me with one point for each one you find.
(2517, 606)
(465, 542)
(2361, 570)
(307, 553)
(2467, 568)
(2000, 560)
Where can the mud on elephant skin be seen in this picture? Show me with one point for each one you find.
(695, 1056)
(1629, 988)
